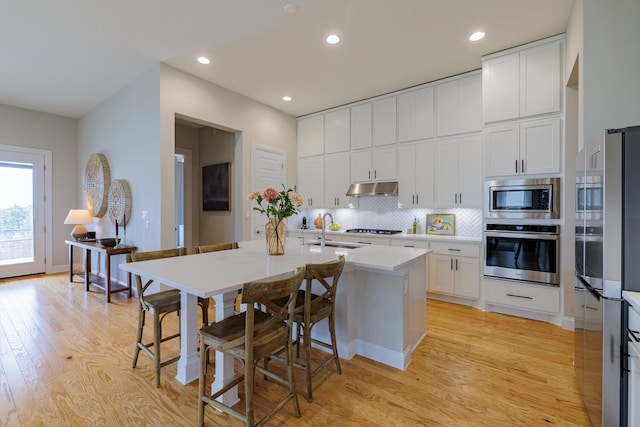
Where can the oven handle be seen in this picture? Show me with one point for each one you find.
(532, 236)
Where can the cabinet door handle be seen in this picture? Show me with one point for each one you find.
(519, 296)
(417, 199)
(460, 198)
(456, 264)
(338, 201)
(522, 166)
(456, 198)
(413, 199)
(375, 174)
(451, 266)
(369, 174)
(516, 166)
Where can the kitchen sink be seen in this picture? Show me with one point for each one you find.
(343, 245)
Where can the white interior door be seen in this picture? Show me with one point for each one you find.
(268, 170)
(22, 213)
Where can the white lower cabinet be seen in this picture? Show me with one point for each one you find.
(633, 385)
(454, 269)
(365, 240)
(524, 296)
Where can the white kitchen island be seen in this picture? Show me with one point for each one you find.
(380, 313)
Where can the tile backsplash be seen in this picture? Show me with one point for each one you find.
(383, 213)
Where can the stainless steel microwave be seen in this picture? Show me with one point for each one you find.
(534, 198)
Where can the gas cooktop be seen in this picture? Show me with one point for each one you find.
(372, 231)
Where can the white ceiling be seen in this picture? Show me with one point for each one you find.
(67, 56)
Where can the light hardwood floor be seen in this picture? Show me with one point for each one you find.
(65, 360)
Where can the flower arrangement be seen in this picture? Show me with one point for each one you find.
(279, 205)
(276, 206)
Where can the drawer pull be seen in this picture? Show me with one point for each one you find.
(519, 296)
(633, 334)
(409, 246)
(453, 250)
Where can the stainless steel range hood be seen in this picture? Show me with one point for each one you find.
(373, 189)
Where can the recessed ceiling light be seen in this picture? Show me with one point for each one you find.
(333, 39)
(204, 60)
(286, 98)
(290, 9)
(476, 36)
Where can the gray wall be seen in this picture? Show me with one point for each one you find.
(32, 129)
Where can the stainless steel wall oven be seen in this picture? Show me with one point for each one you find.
(528, 252)
(533, 198)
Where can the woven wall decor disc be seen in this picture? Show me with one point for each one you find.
(119, 201)
(97, 179)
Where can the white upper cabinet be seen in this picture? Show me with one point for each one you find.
(415, 115)
(540, 80)
(459, 106)
(415, 175)
(384, 121)
(311, 136)
(523, 83)
(373, 165)
(337, 131)
(336, 180)
(525, 148)
(458, 172)
(361, 126)
(311, 181)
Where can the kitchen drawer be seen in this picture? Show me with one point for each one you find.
(456, 249)
(528, 297)
(366, 240)
(423, 244)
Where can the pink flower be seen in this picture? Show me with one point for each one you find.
(270, 193)
(253, 195)
(297, 199)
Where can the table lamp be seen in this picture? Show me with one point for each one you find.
(79, 217)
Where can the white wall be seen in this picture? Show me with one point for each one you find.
(32, 129)
(610, 73)
(126, 129)
(189, 96)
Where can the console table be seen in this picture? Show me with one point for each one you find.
(90, 278)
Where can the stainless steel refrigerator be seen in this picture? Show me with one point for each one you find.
(607, 262)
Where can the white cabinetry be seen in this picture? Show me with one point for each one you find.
(525, 296)
(454, 269)
(415, 115)
(311, 136)
(415, 175)
(384, 121)
(458, 172)
(522, 83)
(361, 126)
(337, 131)
(311, 181)
(633, 386)
(336, 180)
(459, 106)
(531, 147)
(373, 165)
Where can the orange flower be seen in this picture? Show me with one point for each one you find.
(270, 193)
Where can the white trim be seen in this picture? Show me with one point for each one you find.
(48, 202)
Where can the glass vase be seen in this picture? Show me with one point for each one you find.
(276, 230)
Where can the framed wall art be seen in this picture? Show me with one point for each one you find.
(444, 224)
(216, 180)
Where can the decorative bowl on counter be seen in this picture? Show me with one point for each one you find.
(108, 242)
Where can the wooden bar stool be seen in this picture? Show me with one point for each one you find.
(158, 305)
(249, 337)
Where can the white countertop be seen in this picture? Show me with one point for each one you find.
(214, 273)
(632, 298)
(401, 236)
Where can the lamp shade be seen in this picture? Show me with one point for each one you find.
(79, 217)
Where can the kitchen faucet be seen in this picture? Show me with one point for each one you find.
(324, 225)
